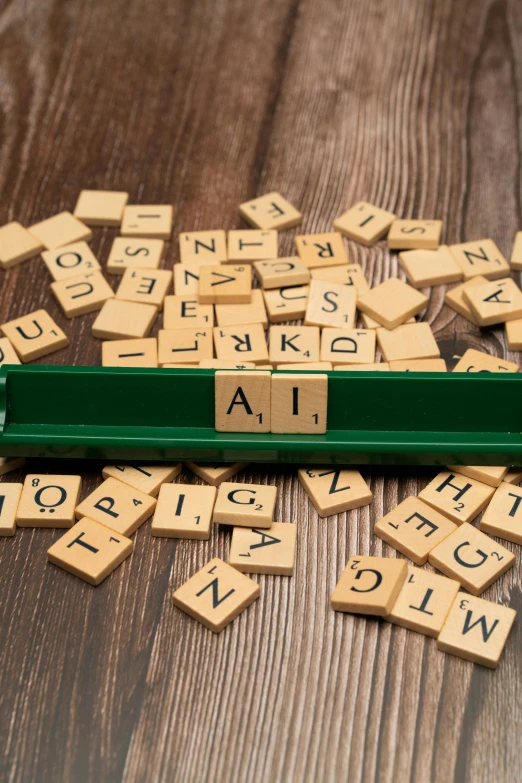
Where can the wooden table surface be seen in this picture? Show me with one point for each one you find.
(414, 106)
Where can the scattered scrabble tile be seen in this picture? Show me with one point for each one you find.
(9, 498)
(516, 255)
(71, 261)
(414, 234)
(514, 334)
(270, 211)
(131, 253)
(281, 272)
(222, 364)
(364, 222)
(286, 304)
(83, 294)
(351, 275)
(503, 516)
(247, 505)
(130, 353)
(101, 207)
(48, 501)
(495, 302)
(299, 403)
(254, 551)
(334, 490)
(242, 401)
(348, 346)
(513, 476)
(183, 311)
(477, 361)
(424, 602)
(146, 286)
(236, 314)
(189, 346)
(203, 247)
(34, 335)
(304, 366)
(481, 257)
(371, 323)
(146, 478)
(90, 551)
(186, 279)
(294, 344)
(414, 528)
(409, 341)
(455, 297)
(8, 464)
(8, 354)
(184, 511)
(216, 595)
(17, 244)
(476, 630)
(118, 319)
(225, 284)
(216, 474)
(241, 343)
(419, 365)
(458, 497)
(251, 245)
(59, 230)
(321, 250)
(147, 220)
(369, 585)
(391, 303)
(372, 366)
(331, 304)
(430, 267)
(493, 476)
(117, 505)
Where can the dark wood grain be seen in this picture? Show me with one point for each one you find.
(413, 106)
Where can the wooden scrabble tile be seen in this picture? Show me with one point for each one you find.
(9, 498)
(371, 323)
(493, 476)
(251, 245)
(183, 311)
(476, 630)
(203, 247)
(513, 476)
(455, 297)
(8, 354)
(391, 303)
(216, 474)
(306, 367)
(189, 346)
(334, 490)
(369, 585)
(17, 244)
(83, 294)
(294, 344)
(241, 343)
(477, 361)
(409, 341)
(254, 551)
(430, 267)
(286, 304)
(270, 211)
(131, 253)
(242, 401)
(364, 222)
(118, 319)
(331, 304)
(281, 272)
(351, 275)
(216, 595)
(184, 511)
(414, 528)
(48, 501)
(299, 403)
(495, 302)
(146, 286)
(514, 334)
(101, 207)
(321, 250)
(419, 365)
(414, 234)
(458, 497)
(245, 505)
(34, 335)
(516, 255)
(117, 505)
(424, 602)
(503, 516)
(348, 346)
(225, 284)
(481, 257)
(472, 558)
(180, 364)
(239, 314)
(90, 551)
(221, 364)
(59, 230)
(372, 366)
(186, 279)
(146, 478)
(147, 220)
(70, 261)
(8, 464)
(130, 353)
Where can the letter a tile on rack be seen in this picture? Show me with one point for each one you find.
(290, 344)
(129, 253)
(348, 346)
(117, 505)
(203, 247)
(299, 403)
(242, 401)
(364, 223)
(369, 585)
(246, 505)
(459, 498)
(147, 220)
(34, 335)
(70, 261)
(48, 501)
(271, 551)
(424, 602)
(334, 490)
(184, 511)
(188, 346)
(321, 250)
(270, 211)
(146, 478)
(9, 499)
(241, 343)
(83, 294)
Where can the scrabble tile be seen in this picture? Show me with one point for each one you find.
(222, 364)
(147, 220)
(477, 361)
(476, 630)
(281, 272)
(514, 334)
(242, 401)
(391, 303)
(118, 319)
(503, 517)
(17, 245)
(59, 230)
(364, 223)
(299, 403)
(472, 558)
(101, 207)
(414, 528)
(186, 279)
(34, 335)
(414, 234)
(455, 297)
(495, 302)
(321, 250)
(348, 346)
(9, 498)
(409, 341)
(458, 497)
(369, 585)
(225, 284)
(238, 314)
(371, 367)
(286, 304)
(90, 551)
(146, 478)
(48, 501)
(419, 365)
(145, 286)
(216, 474)
(241, 343)
(184, 511)
(117, 505)
(424, 602)
(8, 354)
(183, 311)
(203, 247)
(516, 255)
(185, 345)
(83, 294)
(270, 211)
(130, 353)
(493, 476)
(131, 253)
(216, 595)
(481, 257)
(254, 551)
(513, 476)
(251, 245)
(8, 464)
(371, 323)
(294, 344)
(334, 490)
(245, 505)
(331, 304)
(351, 275)
(70, 261)
(430, 267)
(306, 367)
(180, 364)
